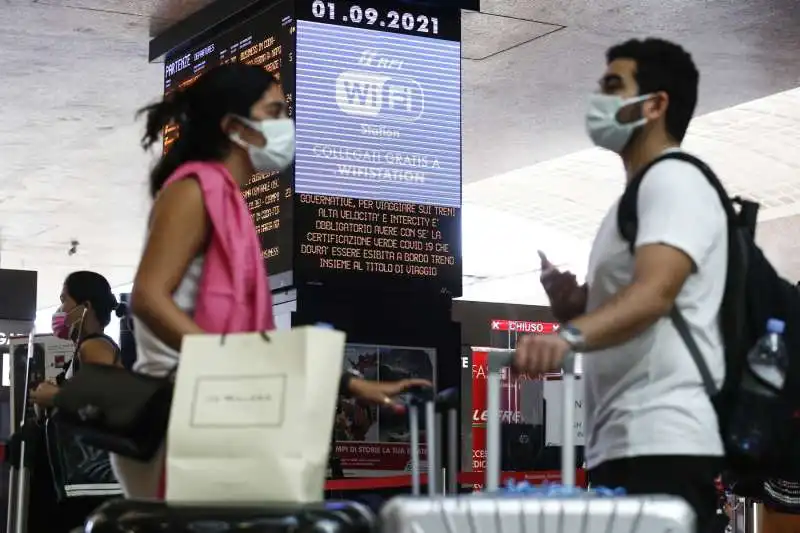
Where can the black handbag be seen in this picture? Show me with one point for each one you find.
(117, 410)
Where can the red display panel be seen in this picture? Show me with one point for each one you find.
(524, 326)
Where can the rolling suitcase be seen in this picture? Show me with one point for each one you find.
(568, 510)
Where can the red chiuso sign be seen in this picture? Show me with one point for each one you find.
(524, 326)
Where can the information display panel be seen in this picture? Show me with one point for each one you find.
(267, 39)
(378, 116)
(378, 168)
(374, 197)
(340, 235)
(437, 19)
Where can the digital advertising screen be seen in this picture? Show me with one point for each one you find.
(378, 115)
(378, 167)
(268, 40)
(17, 294)
(374, 196)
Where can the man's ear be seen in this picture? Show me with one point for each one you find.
(655, 107)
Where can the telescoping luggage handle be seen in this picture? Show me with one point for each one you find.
(23, 453)
(497, 359)
(434, 405)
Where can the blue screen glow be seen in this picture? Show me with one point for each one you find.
(378, 115)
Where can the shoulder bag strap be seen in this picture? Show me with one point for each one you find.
(76, 356)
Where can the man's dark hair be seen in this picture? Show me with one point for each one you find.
(664, 66)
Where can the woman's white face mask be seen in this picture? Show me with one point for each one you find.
(278, 152)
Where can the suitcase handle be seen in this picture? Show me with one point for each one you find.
(420, 395)
(444, 402)
(447, 403)
(447, 400)
(497, 359)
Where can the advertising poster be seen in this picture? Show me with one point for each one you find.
(50, 355)
(368, 440)
(554, 432)
(531, 413)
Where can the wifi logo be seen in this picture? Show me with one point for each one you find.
(371, 95)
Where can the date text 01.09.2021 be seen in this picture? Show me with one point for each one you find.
(390, 19)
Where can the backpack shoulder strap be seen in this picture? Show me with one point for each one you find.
(694, 350)
(628, 225)
(627, 213)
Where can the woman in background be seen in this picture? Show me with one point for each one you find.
(232, 124)
(87, 303)
(86, 306)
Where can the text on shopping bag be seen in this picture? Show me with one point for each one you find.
(239, 401)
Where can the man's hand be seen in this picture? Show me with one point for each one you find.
(567, 298)
(43, 394)
(381, 393)
(539, 354)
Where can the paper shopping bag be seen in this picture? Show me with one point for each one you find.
(252, 416)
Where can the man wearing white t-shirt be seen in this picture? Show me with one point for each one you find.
(651, 427)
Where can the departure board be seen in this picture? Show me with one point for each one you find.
(267, 40)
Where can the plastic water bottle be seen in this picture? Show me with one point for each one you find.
(762, 382)
(767, 362)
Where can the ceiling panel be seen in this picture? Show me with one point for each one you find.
(490, 35)
(142, 8)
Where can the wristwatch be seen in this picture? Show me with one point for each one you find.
(573, 336)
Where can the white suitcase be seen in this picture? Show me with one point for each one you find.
(494, 512)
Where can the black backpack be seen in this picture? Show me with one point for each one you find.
(754, 293)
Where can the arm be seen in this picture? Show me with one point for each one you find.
(179, 228)
(377, 392)
(93, 351)
(680, 218)
(659, 274)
